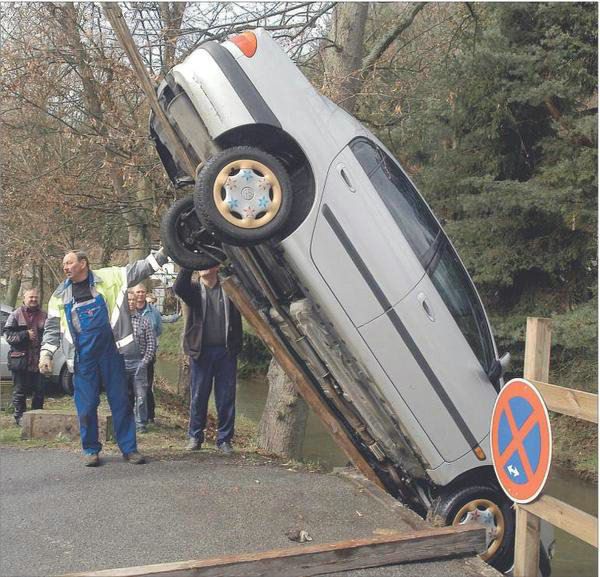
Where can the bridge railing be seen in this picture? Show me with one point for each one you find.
(578, 404)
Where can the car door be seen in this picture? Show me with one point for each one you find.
(441, 326)
(357, 247)
(4, 372)
(434, 344)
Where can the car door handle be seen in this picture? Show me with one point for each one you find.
(422, 298)
(342, 170)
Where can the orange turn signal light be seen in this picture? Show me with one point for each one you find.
(246, 42)
(479, 453)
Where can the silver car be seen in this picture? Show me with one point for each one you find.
(60, 374)
(354, 270)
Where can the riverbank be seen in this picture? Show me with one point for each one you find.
(575, 445)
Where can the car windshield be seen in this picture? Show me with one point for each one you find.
(430, 244)
(414, 218)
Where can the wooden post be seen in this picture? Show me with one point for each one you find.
(115, 17)
(527, 544)
(242, 302)
(538, 342)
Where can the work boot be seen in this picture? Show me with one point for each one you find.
(193, 444)
(134, 458)
(92, 460)
(225, 448)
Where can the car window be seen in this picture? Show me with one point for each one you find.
(3, 318)
(456, 289)
(406, 205)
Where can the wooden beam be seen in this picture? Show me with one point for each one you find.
(538, 341)
(242, 301)
(572, 402)
(309, 560)
(527, 543)
(566, 517)
(115, 17)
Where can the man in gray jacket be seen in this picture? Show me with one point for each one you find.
(212, 339)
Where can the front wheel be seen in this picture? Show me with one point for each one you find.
(243, 195)
(484, 506)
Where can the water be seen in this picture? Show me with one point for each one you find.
(573, 558)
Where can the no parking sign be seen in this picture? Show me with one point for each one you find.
(521, 441)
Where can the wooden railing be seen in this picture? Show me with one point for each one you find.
(578, 404)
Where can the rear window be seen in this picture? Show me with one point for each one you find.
(406, 205)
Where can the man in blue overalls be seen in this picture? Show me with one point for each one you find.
(88, 316)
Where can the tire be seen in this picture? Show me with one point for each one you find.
(484, 505)
(244, 196)
(186, 240)
(66, 380)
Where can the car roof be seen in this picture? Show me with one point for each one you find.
(6, 308)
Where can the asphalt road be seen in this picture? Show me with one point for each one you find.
(58, 516)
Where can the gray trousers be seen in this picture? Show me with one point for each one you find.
(137, 384)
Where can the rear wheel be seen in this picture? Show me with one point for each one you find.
(186, 240)
(484, 506)
(243, 195)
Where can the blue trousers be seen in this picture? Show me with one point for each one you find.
(218, 365)
(92, 367)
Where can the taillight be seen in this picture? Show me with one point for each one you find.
(246, 42)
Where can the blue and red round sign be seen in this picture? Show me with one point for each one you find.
(521, 441)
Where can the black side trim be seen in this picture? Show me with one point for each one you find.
(247, 92)
(399, 326)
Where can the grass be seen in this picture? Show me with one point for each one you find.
(166, 438)
(575, 446)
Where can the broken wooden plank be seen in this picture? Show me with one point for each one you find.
(320, 559)
(293, 370)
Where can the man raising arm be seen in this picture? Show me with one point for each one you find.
(88, 317)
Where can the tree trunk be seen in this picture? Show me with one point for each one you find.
(14, 285)
(281, 428)
(171, 15)
(343, 62)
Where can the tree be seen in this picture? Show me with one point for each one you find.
(502, 138)
(281, 428)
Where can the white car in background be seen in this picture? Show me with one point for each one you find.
(60, 373)
(353, 270)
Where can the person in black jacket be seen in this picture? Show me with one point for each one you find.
(23, 331)
(212, 339)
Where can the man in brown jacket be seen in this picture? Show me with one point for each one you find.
(212, 339)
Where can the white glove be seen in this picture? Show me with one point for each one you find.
(45, 365)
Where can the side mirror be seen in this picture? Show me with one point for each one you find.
(505, 362)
